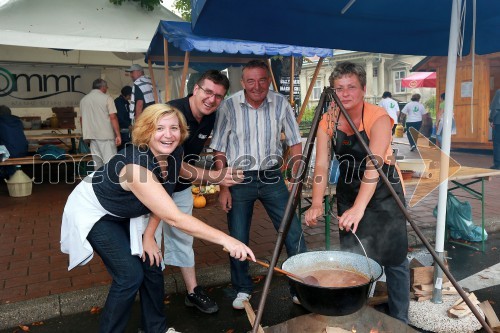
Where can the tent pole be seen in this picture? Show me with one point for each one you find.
(310, 89)
(153, 81)
(184, 74)
(286, 152)
(292, 76)
(272, 75)
(445, 147)
(165, 60)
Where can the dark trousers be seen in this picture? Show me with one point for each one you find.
(111, 240)
(270, 189)
(416, 125)
(496, 146)
(398, 289)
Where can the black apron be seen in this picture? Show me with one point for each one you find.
(382, 230)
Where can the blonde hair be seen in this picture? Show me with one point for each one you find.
(145, 126)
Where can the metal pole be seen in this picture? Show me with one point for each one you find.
(291, 206)
(445, 147)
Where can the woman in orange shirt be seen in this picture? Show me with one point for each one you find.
(365, 205)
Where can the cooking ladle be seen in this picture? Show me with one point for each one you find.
(310, 280)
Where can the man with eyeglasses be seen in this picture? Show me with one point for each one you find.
(247, 135)
(199, 110)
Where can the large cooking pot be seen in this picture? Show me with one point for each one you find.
(331, 301)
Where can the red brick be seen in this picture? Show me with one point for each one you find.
(85, 281)
(36, 293)
(26, 280)
(10, 273)
(62, 273)
(14, 257)
(48, 285)
(12, 294)
(7, 249)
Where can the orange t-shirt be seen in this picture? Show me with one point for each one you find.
(371, 113)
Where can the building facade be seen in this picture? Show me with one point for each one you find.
(384, 72)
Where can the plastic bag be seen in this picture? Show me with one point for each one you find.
(83, 148)
(51, 152)
(459, 220)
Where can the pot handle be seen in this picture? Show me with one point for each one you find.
(367, 261)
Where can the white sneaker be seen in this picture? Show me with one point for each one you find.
(238, 301)
(172, 330)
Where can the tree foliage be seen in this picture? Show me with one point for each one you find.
(430, 105)
(184, 8)
(146, 4)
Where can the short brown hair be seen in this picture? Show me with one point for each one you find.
(415, 97)
(216, 77)
(145, 126)
(348, 68)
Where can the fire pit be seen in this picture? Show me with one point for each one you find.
(366, 320)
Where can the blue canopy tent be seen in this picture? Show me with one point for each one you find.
(392, 26)
(424, 27)
(174, 43)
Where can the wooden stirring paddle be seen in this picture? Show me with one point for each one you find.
(311, 280)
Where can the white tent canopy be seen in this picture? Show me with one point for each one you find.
(95, 25)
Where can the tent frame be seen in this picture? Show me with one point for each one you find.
(187, 58)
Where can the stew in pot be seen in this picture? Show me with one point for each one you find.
(338, 278)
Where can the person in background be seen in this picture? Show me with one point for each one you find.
(365, 205)
(391, 106)
(100, 123)
(199, 110)
(247, 135)
(142, 91)
(12, 137)
(12, 133)
(415, 113)
(494, 119)
(105, 214)
(122, 104)
(439, 122)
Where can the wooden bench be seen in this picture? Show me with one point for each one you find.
(36, 159)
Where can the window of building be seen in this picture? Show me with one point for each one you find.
(399, 75)
(317, 89)
(375, 72)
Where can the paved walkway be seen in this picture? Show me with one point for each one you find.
(35, 283)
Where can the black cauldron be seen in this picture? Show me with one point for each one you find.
(330, 301)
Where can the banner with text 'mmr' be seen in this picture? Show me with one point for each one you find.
(25, 86)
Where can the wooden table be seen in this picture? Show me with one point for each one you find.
(463, 179)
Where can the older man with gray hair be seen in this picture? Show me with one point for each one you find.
(100, 123)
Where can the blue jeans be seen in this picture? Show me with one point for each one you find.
(398, 290)
(111, 240)
(270, 189)
(416, 125)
